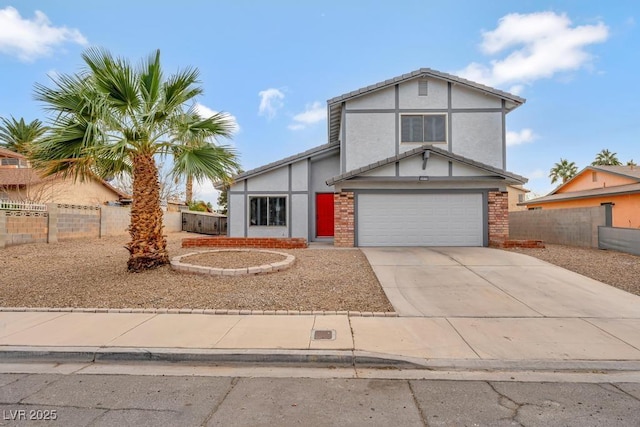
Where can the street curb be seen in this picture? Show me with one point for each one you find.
(306, 358)
(300, 358)
(207, 311)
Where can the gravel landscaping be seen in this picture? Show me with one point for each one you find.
(613, 268)
(93, 273)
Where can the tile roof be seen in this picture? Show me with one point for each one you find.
(8, 153)
(30, 176)
(19, 176)
(603, 191)
(517, 179)
(630, 171)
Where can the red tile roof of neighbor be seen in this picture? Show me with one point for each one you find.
(8, 153)
(20, 176)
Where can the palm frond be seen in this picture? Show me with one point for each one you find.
(181, 88)
(115, 78)
(151, 81)
(205, 161)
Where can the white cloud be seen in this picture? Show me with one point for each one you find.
(537, 174)
(206, 112)
(312, 114)
(521, 137)
(29, 39)
(533, 46)
(270, 102)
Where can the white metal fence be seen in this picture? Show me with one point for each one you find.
(22, 206)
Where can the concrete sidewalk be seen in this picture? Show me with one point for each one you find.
(435, 342)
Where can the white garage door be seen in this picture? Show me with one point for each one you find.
(420, 220)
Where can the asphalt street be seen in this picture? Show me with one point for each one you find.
(43, 399)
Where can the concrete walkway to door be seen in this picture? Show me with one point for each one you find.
(507, 305)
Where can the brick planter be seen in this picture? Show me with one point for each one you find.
(245, 242)
(529, 244)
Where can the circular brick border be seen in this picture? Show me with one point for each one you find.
(178, 265)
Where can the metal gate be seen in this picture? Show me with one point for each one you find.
(204, 223)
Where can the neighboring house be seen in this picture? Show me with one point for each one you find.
(517, 196)
(20, 182)
(595, 186)
(417, 160)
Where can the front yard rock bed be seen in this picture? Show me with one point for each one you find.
(93, 274)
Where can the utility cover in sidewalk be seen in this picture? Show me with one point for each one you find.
(323, 334)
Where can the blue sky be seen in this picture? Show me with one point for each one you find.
(272, 65)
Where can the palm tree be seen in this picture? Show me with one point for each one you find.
(19, 135)
(606, 158)
(192, 134)
(563, 170)
(113, 118)
(631, 163)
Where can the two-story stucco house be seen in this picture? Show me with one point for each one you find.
(416, 160)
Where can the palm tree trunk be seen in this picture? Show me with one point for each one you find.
(188, 192)
(148, 246)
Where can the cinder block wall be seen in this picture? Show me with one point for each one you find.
(73, 221)
(20, 227)
(172, 221)
(65, 222)
(573, 227)
(115, 220)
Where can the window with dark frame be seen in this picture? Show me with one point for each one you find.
(423, 128)
(268, 211)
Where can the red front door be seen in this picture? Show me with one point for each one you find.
(324, 215)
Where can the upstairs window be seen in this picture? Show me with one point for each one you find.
(424, 128)
(268, 211)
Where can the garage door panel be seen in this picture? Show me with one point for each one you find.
(420, 220)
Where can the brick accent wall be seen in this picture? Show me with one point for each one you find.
(344, 219)
(498, 217)
(245, 242)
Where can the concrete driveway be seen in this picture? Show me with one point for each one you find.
(491, 283)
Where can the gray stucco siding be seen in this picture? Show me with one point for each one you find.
(387, 170)
(237, 186)
(369, 138)
(384, 98)
(321, 171)
(276, 180)
(478, 136)
(462, 97)
(436, 97)
(460, 169)
(236, 220)
(436, 166)
(299, 215)
(299, 176)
